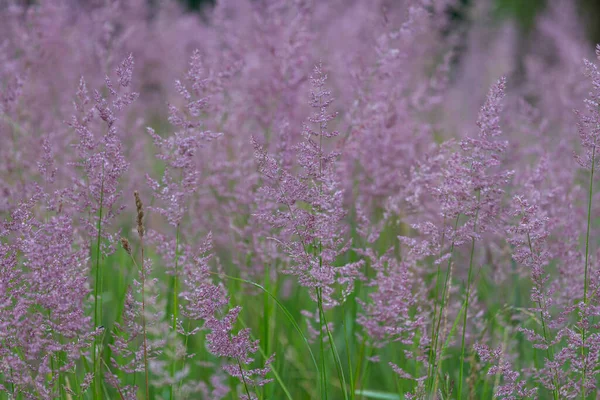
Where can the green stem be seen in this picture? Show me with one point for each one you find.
(266, 326)
(146, 377)
(175, 309)
(321, 347)
(585, 282)
(435, 303)
(282, 307)
(140, 229)
(589, 224)
(464, 330)
(358, 370)
(366, 372)
(98, 293)
(433, 363)
(121, 395)
(243, 378)
(549, 350)
(349, 356)
(336, 357)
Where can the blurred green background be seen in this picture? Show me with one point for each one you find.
(523, 11)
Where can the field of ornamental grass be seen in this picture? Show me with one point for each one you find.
(298, 199)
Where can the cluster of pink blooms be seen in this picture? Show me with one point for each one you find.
(345, 148)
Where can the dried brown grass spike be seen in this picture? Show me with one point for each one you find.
(140, 213)
(126, 246)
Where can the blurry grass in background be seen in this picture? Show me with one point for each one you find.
(523, 11)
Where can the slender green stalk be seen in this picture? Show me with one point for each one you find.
(585, 282)
(436, 325)
(321, 347)
(445, 298)
(336, 357)
(366, 373)
(243, 378)
(349, 356)
(140, 228)
(185, 346)
(358, 370)
(589, 224)
(273, 369)
(447, 342)
(175, 308)
(435, 302)
(140, 267)
(319, 298)
(266, 313)
(549, 350)
(267, 323)
(121, 395)
(53, 372)
(144, 333)
(287, 313)
(323, 324)
(53, 369)
(464, 330)
(498, 375)
(98, 293)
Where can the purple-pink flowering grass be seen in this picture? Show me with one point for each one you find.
(297, 200)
